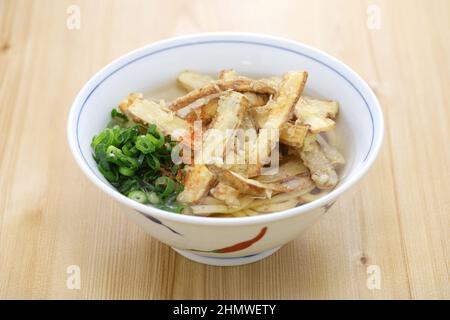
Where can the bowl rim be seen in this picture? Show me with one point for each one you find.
(353, 176)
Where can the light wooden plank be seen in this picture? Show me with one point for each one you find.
(51, 217)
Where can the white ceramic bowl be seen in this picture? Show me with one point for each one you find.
(248, 239)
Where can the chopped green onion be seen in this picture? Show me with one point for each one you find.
(121, 135)
(126, 171)
(105, 137)
(128, 184)
(153, 198)
(166, 184)
(157, 142)
(110, 175)
(116, 115)
(179, 188)
(152, 129)
(176, 208)
(113, 154)
(168, 147)
(141, 159)
(126, 135)
(101, 157)
(150, 176)
(153, 162)
(144, 145)
(129, 149)
(174, 169)
(138, 196)
(133, 158)
(129, 162)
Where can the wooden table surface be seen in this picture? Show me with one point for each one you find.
(394, 225)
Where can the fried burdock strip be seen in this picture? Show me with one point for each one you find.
(322, 170)
(278, 111)
(293, 134)
(291, 168)
(204, 113)
(205, 108)
(243, 185)
(149, 112)
(335, 157)
(197, 183)
(255, 99)
(226, 193)
(239, 85)
(230, 74)
(257, 189)
(318, 114)
(230, 111)
(191, 80)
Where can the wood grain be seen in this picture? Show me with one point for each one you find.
(51, 217)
